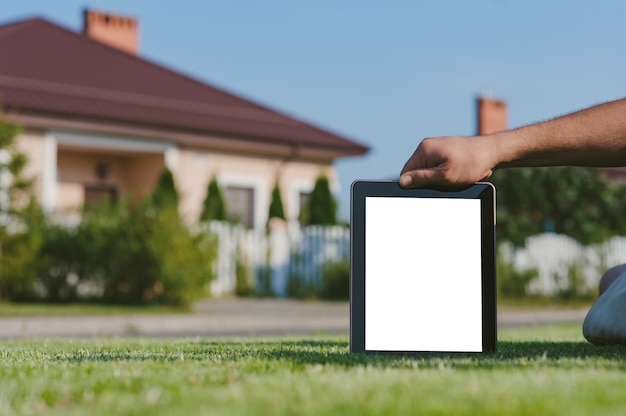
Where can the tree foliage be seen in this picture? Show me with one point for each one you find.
(21, 219)
(213, 207)
(276, 206)
(322, 207)
(578, 202)
(15, 188)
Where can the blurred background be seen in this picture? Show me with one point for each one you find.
(385, 75)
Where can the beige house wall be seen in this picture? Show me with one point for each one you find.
(134, 175)
(196, 168)
(137, 173)
(128, 172)
(71, 197)
(142, 173)
(75, 171)
(32, 145)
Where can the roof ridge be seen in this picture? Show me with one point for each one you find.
(10, 28)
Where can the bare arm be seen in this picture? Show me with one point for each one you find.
(595, 136)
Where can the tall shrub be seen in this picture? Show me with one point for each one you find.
(322, 208)
(336, 281)
(165, 194)
(276, 206)
(213, 207)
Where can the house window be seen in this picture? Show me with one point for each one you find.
(240, 204)
(96, 193)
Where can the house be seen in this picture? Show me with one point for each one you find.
(98, 120)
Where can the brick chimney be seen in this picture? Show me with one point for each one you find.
(114, 30)
(491, 115)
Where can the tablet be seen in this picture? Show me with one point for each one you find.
(422, 269)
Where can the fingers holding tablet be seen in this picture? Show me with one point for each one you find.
(449, 161)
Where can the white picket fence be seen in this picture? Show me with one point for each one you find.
(299, 252)
(302, 253)
(554, 256)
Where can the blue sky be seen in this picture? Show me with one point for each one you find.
(383, 73)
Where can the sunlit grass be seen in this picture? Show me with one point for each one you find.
(540, 370)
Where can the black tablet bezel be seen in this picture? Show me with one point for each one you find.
(361, 189)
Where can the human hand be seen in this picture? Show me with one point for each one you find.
(452, 161)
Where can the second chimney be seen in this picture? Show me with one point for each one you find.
(491, 115)
(114, 30)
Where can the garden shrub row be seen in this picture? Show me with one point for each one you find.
(123, 252)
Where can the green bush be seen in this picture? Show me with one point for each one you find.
(336, 281)
(58, 265)
(512, 283)
(20, 245)
(120, 253)
(213, 207)
(123, 253)
(299, 288)
(244, 286)
(141, 254)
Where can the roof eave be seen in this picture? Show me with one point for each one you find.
(253, 146)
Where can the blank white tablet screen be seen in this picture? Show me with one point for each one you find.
(423, 274)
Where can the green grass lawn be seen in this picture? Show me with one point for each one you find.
(536, 371)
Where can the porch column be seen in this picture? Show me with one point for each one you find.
(171, 158)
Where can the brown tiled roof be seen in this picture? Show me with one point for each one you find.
(49, 70)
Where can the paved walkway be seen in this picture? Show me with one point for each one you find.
(234, 317)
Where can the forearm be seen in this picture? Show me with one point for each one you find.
(595, 136)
